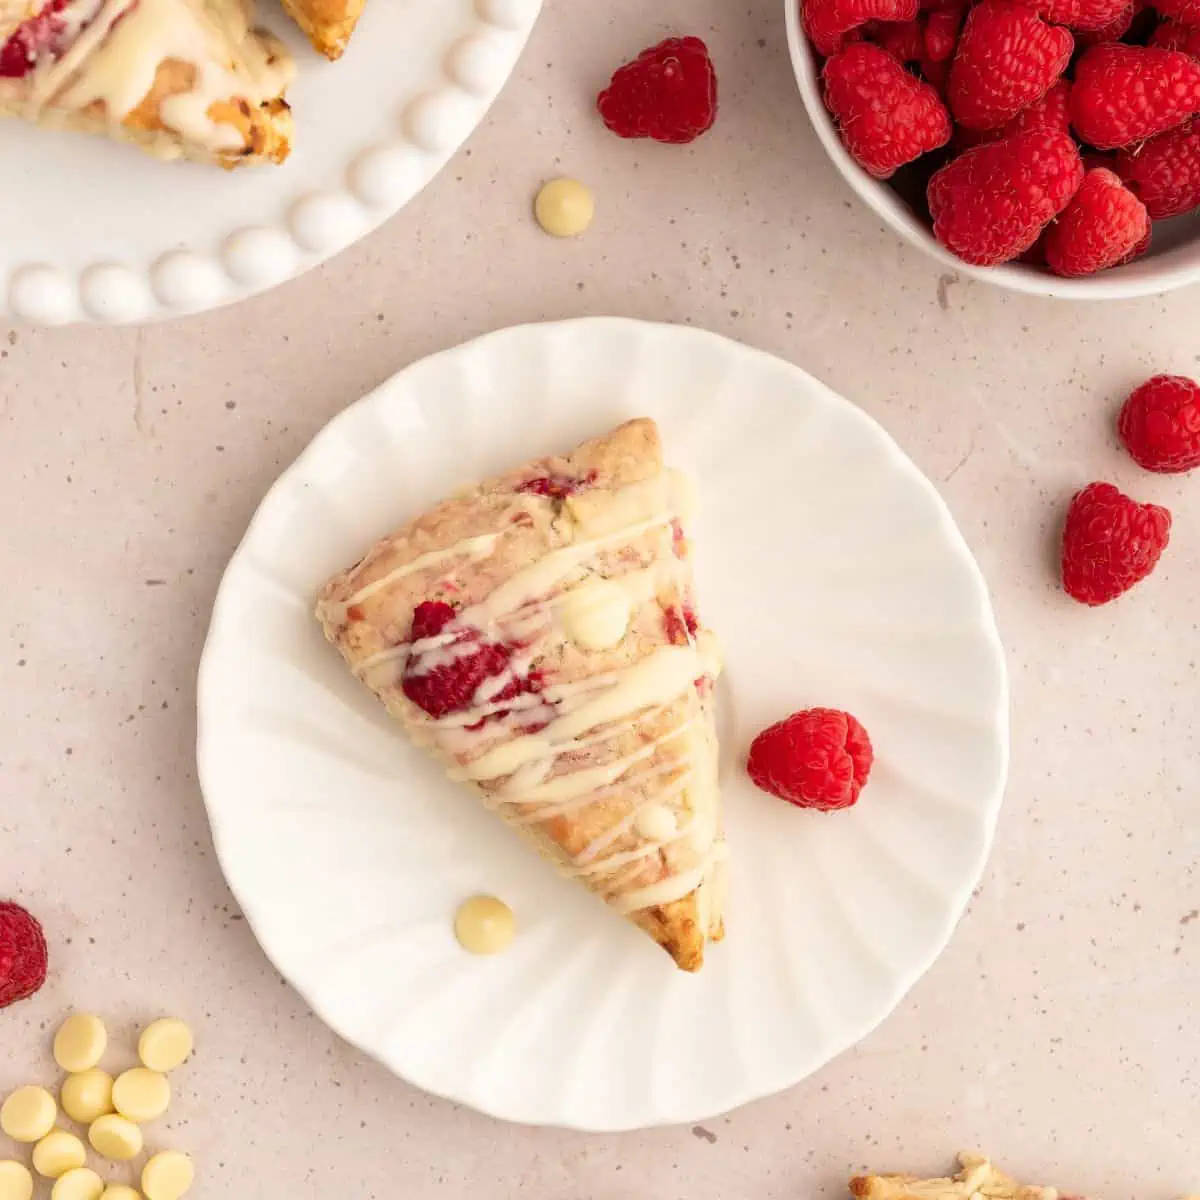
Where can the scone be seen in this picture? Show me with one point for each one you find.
(327, 23)
(977, 1179)
(179, 78)
(538, 634)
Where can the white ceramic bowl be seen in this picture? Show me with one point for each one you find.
(1173, 260)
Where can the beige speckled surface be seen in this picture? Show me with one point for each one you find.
(1060, 1031)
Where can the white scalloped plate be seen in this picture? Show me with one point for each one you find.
(92, 231)
(833, 574)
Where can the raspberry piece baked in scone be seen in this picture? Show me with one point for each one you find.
(977, 1178)
(179, 78)
(327, 23)
(538, 633)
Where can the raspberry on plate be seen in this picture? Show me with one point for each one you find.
(1103, 225)
(668, 93)
(819, 758)
(1123, 94)
(990, 204)
(886, 116)
(1160, 424)
(1007, 58)
(1110, 543)
(1165, 171)
(1171, 35)
(23, 955)
(828, 21)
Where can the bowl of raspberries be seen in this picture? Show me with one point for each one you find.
(1049, 146)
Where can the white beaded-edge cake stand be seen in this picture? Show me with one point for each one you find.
(92, 231)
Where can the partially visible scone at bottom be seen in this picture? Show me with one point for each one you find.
(178, 78)
(978, 1179)
(538, 634)
(327, 23)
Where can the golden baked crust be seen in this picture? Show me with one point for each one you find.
(328, 23)
(977, 1179)
(179, 78)
(624, 799)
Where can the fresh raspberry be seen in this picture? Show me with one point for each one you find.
(1007, 58)
(1186, 12)
(1171, 35)
(668, 93)
(1112, 31)
(1104, 224)
(941, 34)
(828, 21)
(1123, 94)
(1165, 171)
(990, 204)
(820, 758)
(1110, 543)
(450, 686)
(1084, 14)
(1051, 113)
(1160, 424)
(903, 40)
(44, 36)
(22, 954)
(887, 117)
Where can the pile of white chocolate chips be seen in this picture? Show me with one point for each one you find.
(112, 1111)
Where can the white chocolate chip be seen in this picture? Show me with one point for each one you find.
(564, 208)
(79, 1184)
(80, 1042)
(28, 1114)
(16, 1183)
(484, 925)
(655, 822)
(165, 1044)
(141, 1095)
(86, 1096)
(596, 615)
(57, 1153)
(115, 1137)
(167, 1176)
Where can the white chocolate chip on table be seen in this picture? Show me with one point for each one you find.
(86, 1096)
(79, 1184)
(80, 1042)
(167, 1176)
(564, 208)
(165, 1044)
(16, 1183)
(141, 1094)
(57, 1153)
(28, 1114)
(115, 1137)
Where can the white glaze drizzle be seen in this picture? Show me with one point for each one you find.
(118, 47)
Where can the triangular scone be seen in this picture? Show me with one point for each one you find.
(328, 23)
(180, 78)
(978, 1179)
(538, 634)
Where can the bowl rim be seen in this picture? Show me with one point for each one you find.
(1175, 268)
